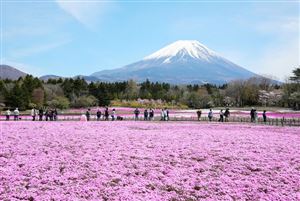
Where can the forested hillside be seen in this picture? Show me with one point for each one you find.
(28, 92)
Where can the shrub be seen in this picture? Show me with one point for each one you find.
(59, 102)
(85, 101)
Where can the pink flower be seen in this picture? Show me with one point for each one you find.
(148, 161)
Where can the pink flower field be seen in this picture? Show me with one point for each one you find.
(148, 161)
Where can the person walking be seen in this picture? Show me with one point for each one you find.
(113, 114)
(106, 114)
(47, 115)
(151, 115)
(252, 115)
(167, 114)
(33, 113)
(226, 114)
(136, 114)
(55, 114)
(210, 114)
(16, 114)
(199, 112)
(41, 113)
(265, 116)
(255, 116)
(7, 114)
(88, 114)
(98, 114)
(51, 114)
(162, 115)
(145, 115)
(221, 116)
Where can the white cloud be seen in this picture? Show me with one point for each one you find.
(86, 12)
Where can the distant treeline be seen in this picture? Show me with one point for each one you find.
(29, 92)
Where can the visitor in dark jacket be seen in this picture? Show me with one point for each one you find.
(151, 114)
(98, 114)
(136, 114)
(199, 112)
(55, 113)
(226, 114)
(146, 115)
(41, 113)
(210, 114)
(265, 116)
(47, 114)
(106, 114)
(88, 114)
(252, 115)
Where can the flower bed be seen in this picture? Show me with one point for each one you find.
(148, 161)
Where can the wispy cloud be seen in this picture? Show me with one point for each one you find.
(25, 52)
(13, 33)
(88, 13)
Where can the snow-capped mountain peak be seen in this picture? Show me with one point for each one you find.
(183, 62)
(181, 49)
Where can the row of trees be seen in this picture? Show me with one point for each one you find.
(31, 92)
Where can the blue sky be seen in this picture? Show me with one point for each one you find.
(81, 37)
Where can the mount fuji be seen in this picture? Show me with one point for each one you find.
(182, 62)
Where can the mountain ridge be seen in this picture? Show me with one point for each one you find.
(9, 72)
(181, 62)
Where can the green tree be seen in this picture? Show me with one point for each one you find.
(293, 94)
(296, 76)
(17, 97)
(3, 91)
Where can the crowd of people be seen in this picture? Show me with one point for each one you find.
(148, 115)
(47, 115)
(105, 115)
(165, 115)
(15, 114)
(224, 115)
(111, 115)
(254, 115)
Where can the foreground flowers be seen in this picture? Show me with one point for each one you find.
(148, 161)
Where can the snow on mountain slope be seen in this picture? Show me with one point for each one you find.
(182, 62)
(183, 47)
